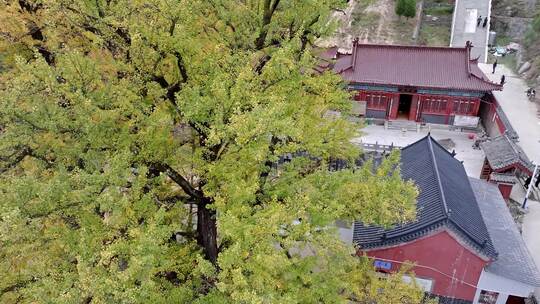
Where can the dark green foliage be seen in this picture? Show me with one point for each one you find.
(406, 8)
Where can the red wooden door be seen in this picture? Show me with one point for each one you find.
(414, 107)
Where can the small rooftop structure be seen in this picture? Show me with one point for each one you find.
(505, 162)
(502, 153)
(415, 66)
(446, 199)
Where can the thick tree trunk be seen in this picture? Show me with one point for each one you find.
(207, 231)
(269, 9)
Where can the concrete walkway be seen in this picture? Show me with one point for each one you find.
(524, 117)
(530, 227)
(464, 26)
(523, 114)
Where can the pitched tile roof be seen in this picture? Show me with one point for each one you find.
(420, 66)
(445, 200)
(514, 260)
(502, 152)
(503, 178)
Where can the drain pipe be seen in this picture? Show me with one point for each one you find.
(530, 187)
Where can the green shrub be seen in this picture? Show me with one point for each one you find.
(406, 8)
(439, 10)
(533, 34)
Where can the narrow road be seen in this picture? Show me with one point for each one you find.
(522, 113)
(464, 26)
(524, 117)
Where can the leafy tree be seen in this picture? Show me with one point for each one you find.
(406, 8)
(137, 157)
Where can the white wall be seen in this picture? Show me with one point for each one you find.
(504, 286)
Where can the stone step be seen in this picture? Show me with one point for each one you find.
(407, 125)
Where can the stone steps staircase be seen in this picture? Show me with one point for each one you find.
(407, 125)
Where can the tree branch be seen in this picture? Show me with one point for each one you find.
(181, 66)
(17, 285)
(173, 25)
(121, 32)
(262, 62)
(25, 151)
(179, 180)
(305, 33)
(269, 9)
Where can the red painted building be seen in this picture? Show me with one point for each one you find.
(453, 267)
(453, 248)
(424, 84)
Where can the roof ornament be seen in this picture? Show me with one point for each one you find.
(468, 46)
(453, 152)
(354, 50)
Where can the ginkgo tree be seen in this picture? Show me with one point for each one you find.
(139, 157)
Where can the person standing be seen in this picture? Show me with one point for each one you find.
(485, 22)
(502, 79)
(494, 66)
(478, 20)
(528, 182)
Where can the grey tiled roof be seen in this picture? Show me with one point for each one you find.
(502, 152)
(445, 200)
(504, 178)
(514, 261)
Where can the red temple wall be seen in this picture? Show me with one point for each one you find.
(505, 190)
(423, 107)
(438, 257)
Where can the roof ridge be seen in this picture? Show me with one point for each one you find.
(484, 80)
(437, 175)
(413, 46)
(468, 58)
(512, 145)
(354, 53)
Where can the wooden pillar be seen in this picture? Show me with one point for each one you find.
(393, 107)
(448, 110)
(415, 101)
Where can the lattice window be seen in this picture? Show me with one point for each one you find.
(376, 101)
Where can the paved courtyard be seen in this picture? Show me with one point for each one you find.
(472, 159)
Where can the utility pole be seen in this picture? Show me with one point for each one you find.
(530, 187)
